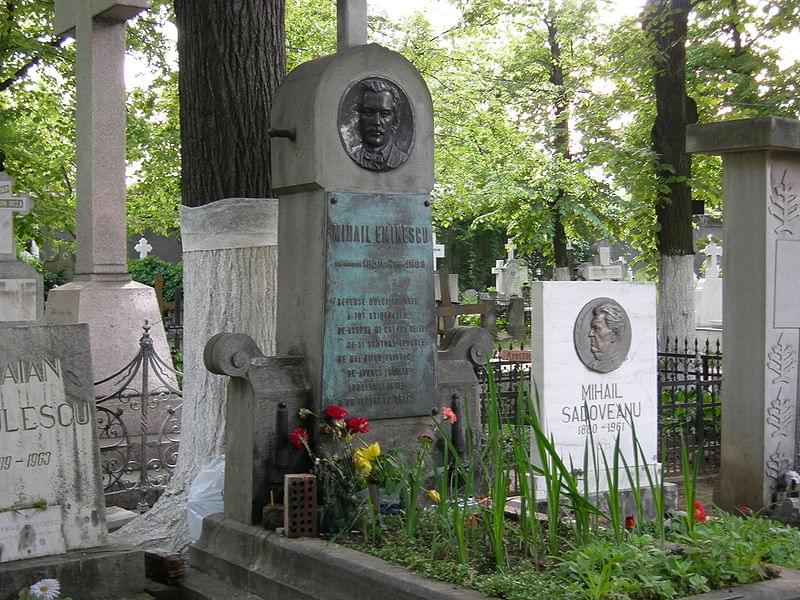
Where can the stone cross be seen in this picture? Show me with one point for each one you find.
(143, 247)
(498, 272)
(99, 30)
(10, 204)
(602, 268)
(438, 251)
(351, 23)
(510, 247)
(712, 251)
(602, 253)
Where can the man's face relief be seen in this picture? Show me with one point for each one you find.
(376, 115)
(601, 338)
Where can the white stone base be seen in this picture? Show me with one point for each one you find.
(598, 482)
(115, 312)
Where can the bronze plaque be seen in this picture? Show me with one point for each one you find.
(376, 124)
(602, 335)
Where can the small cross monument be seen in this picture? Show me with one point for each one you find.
(10, 204)
(438, 251)
(21, 292)
(713, 252)
(602, 268)
(143, 247)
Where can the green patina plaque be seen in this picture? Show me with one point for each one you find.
(379, 348)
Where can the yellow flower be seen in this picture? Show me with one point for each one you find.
(372, 451)
(364, 467)
(433, 495)
(348, 438)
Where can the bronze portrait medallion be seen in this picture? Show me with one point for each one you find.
(376, 124)
(602, 335)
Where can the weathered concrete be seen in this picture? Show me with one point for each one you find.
(100, 574)
(48, 443)
(250, 560)
(761, 180)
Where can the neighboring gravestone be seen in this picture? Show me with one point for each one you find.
(21, 292)
(102, 293)
(510, 275)
(760, 310)
(594, 371)
(602, 268)
(51, 499)
(708, 297)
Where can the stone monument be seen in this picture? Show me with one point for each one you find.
(21, 292)
(510, 275)
(602, 268)
(352, 167)
(594, 370)
(52, 507)
(102, 293)
(708, 297)
(760, 308)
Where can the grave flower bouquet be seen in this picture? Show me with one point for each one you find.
(344, 463)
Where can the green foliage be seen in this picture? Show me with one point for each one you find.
(144, 271)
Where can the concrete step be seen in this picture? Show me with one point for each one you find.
(199, 586)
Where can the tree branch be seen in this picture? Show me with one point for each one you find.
(23, 70)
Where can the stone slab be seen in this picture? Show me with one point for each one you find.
(743, 135)
(251, 560)
(579, 405)
(115, 312)
(48, 443)
(21, 294)
(230, 223)
(105, 573)
(115, 10)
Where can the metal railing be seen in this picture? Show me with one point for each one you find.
(139, 424)
(689, 408)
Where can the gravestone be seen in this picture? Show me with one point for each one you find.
(352, 165)
(708, 297)
(760, 308)
(594, 370)
(602, 268)
(52, 508)
(102, 293)
(48, 447)
(510, 275)
(21, 291)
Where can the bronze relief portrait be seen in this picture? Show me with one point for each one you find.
(602, 335)
(376, 124)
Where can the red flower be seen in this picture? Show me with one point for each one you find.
(448, 414)
(358, 425)
(297, 437)
(335, 413)
(699, 511)
(629, 522)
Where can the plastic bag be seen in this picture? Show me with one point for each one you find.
(205, 495)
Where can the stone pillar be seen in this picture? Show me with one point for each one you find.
(761, 287)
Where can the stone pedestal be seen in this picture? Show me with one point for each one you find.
(761, 287)
(115, 312)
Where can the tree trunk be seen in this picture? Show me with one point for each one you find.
(219, 293)
(560, 138)
(232, 59)
(666, 21)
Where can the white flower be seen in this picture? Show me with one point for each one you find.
(46, 589)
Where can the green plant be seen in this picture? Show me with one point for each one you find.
(144, 271)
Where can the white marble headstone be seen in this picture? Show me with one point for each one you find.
(574, 399)
(51, 497)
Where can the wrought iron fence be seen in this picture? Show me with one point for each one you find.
(689, 384)
(689, 408)
(139, 423)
